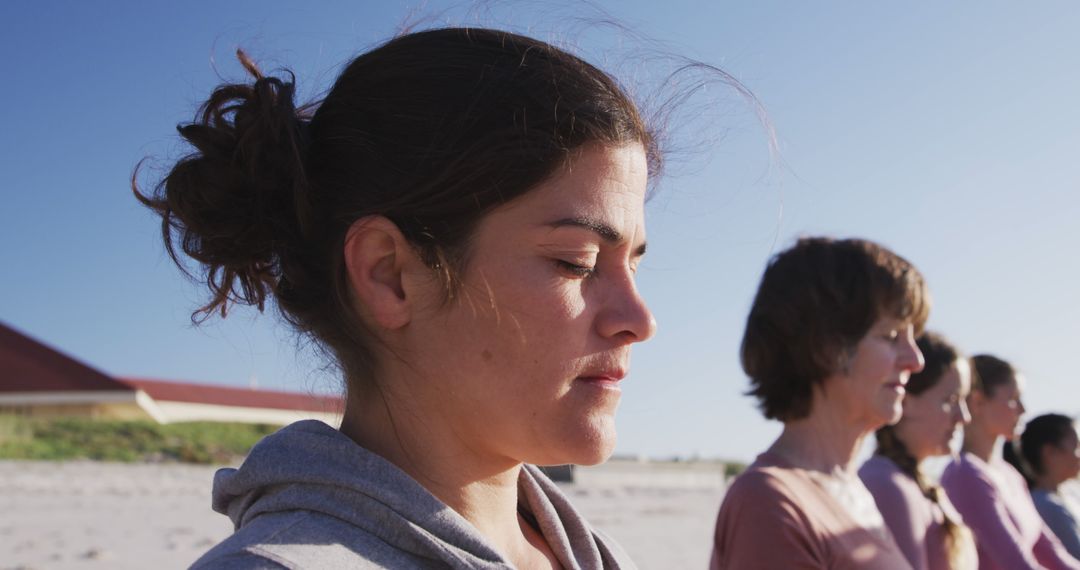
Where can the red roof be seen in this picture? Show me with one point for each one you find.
(228, 396)
(27, 365)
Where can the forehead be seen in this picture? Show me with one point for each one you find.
(955, 378)
(600, 181)
(890, 321)
(952, 381)
(1010, 389)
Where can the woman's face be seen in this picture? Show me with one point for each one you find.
(1001, 412)
(869, 388)
(1061, 461)
(528, 358)
(931, 418)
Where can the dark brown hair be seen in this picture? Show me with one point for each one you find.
(432, 130)
(939, 355)
(988, 373)
(1026, 453)
(815, 302)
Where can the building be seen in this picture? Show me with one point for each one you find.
(39, 381)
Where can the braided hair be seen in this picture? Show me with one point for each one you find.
(940, 355)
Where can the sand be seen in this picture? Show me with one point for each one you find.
(89, 515)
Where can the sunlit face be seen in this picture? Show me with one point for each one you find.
(530, 355)
(1061, 461)
(1001, 412)
(931, 418)
(869, 389)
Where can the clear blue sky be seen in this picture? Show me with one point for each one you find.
(948, 131)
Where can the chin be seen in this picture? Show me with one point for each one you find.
(941, 451)
(590, 442)
(890, 416)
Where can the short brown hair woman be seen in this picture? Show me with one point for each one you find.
(458, 223)
(829, 346)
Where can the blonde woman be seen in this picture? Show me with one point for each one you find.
(988, 492)
(923, 522)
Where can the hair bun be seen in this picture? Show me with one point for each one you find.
(240, 196)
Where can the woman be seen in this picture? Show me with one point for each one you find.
(458, 223)
(1049, 456)
(989, 494)
(919, 516)
(829, 346)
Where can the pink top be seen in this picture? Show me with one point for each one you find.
(994, 501)
(778, 516)
(916, 522)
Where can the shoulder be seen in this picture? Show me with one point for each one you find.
(1043, 496)
(963, 471)
(762, 483)
(1048, 502)
(891, 487)
(1011, 474)
(879, 471)
(304, 539)
(768, 520)
(237, 561)
(765, 496)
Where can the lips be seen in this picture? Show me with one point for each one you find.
(604, 378)
(896, 385)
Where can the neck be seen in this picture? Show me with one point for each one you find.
(820, 442)
(901, 432)
(483, 490)
(981, 442)
(1047, 483)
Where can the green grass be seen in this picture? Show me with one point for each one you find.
(103, 440)
(734, 468)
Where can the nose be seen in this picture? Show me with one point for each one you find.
(625, 315)
(911, 358)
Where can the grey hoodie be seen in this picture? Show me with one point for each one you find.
(309, 497)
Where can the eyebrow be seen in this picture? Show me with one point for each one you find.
(605, 231)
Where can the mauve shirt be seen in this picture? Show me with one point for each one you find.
(916, 522)
(994, 501)
(777, 516)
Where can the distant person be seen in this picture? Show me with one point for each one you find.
(926, 527)
(1049, 456)
(829, 346)
(989, 493)
(458, 223)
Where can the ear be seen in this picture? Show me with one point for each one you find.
(1046, 450)
(376, 256)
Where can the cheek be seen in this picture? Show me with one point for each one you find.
(527, 305)
(933, 420)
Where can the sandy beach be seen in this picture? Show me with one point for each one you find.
(89, 515)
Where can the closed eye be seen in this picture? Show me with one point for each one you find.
(579, 271)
